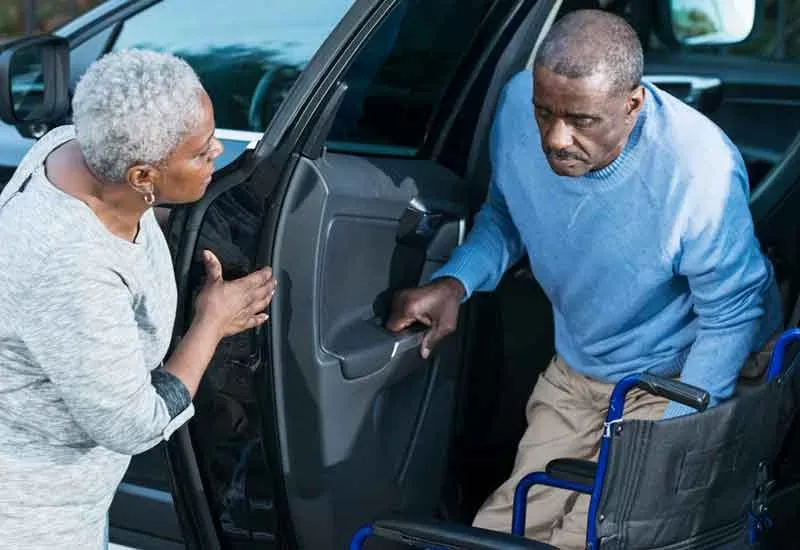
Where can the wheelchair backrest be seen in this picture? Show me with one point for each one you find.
(690, 482)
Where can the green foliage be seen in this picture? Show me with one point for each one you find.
(689, 23)
(49, 14)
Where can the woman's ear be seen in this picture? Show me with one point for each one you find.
(143, 178)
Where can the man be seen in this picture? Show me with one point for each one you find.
(633, 210)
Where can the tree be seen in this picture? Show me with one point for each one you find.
(47, 15)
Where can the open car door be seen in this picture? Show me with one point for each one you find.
(362, 184)
(322, 420)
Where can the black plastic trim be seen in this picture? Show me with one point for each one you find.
(315, 142)
(55, 75)
(421, 534)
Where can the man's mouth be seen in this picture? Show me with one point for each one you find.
(563, 157)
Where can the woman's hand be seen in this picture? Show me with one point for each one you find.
(233, 306)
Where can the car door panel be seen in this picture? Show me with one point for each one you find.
(701, 92)
(755, 104)
(354, 423)
(361, 410)
(339, 421)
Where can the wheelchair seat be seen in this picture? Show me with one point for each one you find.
(701, 481)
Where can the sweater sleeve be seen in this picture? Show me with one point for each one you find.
(491, 247)
(732, 284)
(79, 325)
(494, 243)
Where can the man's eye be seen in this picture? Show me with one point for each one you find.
(583, 122)
(543, 113)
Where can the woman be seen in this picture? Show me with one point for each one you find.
(87, 297)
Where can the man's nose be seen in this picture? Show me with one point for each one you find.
(558, 136)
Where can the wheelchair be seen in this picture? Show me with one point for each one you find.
(701, 481)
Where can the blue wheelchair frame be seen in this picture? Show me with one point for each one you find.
(614, 415)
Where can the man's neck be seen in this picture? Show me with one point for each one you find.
(617, 151)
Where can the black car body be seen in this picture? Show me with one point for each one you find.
(345, 135)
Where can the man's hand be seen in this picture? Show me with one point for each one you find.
(435, 305)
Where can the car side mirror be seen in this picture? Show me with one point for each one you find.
(34, 83)
(708, 22)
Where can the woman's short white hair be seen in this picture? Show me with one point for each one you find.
(132, 107)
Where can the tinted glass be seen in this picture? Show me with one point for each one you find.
(26, 82)
(398, 80)
(247, 53)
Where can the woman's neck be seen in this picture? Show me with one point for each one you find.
(117, 206)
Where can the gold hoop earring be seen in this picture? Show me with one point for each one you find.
(150, 198)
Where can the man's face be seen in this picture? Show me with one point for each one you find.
(584, 122)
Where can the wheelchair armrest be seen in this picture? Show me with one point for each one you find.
(573, 470)
(674, 390)
(430, 533)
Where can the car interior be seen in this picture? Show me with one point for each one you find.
(511, 334)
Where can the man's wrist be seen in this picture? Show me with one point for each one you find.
(454, 286)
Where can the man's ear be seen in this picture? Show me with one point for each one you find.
(635, 101)
(143, 178)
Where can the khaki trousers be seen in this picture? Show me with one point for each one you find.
(565, 420)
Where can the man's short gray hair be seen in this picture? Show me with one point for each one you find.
(587, 42)
(132, 107)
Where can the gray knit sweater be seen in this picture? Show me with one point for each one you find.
(85, 320)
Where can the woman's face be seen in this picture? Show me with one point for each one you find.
(188, 170)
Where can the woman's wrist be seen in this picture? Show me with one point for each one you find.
(193, 355)
(208, 329)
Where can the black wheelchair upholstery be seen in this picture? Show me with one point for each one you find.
(698, 481)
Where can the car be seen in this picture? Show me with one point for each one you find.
(356, 156)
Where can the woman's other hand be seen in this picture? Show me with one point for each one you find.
(233, 306)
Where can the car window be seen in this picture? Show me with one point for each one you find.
(247, 57)
(398, 80)
(86, 53)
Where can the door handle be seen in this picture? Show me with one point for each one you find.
(408, 340)
(365, 347)
(701, 92)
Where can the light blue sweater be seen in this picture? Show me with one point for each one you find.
(651, 264)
